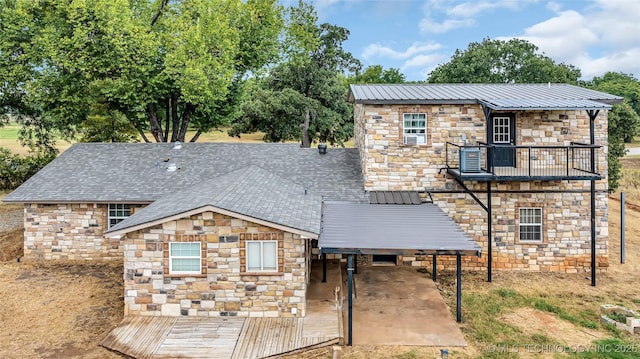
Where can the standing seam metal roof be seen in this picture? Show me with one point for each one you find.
(364, 228)
(520, 96)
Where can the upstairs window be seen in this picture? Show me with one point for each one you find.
(414, 128)
(530, 224)
(118, 213)
(185, 258)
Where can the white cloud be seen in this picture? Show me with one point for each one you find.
(554, 6)
(423, 61)
(377, 50)
(461, 14)
(474, 8)
(603, 37)
(430, 26)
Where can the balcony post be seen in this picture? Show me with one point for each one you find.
(592, 136)
(567, 160)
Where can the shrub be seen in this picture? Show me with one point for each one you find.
(15, 169)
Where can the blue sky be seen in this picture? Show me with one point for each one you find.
(416, 36)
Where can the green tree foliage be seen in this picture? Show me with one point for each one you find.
(303, 98)
(15, 169)
(163, 65)
(376, 74)
(624, 119)
(499, 61)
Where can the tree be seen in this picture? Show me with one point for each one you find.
(302, 98)
(624, 119)
(163, 65)
(376, 74)
(498, 61)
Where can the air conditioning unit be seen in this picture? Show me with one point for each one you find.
(415, 139)
(469, 159)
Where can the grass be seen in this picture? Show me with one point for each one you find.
(9, 138)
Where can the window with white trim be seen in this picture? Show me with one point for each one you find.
(530, 224)
(262, 256)
(117, 213)
(185, 258)
(414, 128)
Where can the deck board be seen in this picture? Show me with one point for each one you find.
(234, 337)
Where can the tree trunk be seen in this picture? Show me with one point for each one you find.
(167, 112)
(175, 118)
(144, 137)
(186, 118)
(196, 136)
(156, 128)
(304, 127)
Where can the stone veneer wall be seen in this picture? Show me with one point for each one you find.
(68, 231)
(388, 164)
(224, 288)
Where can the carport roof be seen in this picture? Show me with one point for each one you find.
(361, 228)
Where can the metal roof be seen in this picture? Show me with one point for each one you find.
(394, 197)
(361, 228)
(250, 192)
(514, 96)
(137, 172)
(537, 104)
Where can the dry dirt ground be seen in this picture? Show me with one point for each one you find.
(63, 310)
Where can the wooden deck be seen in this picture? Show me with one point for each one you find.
(234, 337)
(217, 337)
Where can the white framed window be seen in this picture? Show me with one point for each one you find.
(262, 256)
(117, 213)
(185, 258)
(530, 224)
(414, 128)
(502, 129)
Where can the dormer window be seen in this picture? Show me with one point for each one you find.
(414, 128)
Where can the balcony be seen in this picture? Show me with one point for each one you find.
(487, 162)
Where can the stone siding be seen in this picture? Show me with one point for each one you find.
(224, 288)
(68, 231)
(388, 164)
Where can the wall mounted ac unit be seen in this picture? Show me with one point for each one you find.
(469, 160)
(414, 139)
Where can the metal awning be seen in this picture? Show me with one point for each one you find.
(510, 104)
(362, 228)
(394, 197)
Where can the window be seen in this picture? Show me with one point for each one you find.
(502, 129)
(530, 224)
(414, 128)
(118, 213)
(185, 258)
(262, 256)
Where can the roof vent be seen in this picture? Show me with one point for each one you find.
(322, 148)
(177, 145)
(172, 167)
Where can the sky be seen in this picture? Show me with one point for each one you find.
(416, 36)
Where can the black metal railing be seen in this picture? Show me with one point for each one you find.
(576, 160)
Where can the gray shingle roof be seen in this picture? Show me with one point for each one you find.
(250, 191)
(519, 96)
(136, 173)
(365, 228)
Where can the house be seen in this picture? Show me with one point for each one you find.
(520, 167)
(439, 172)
